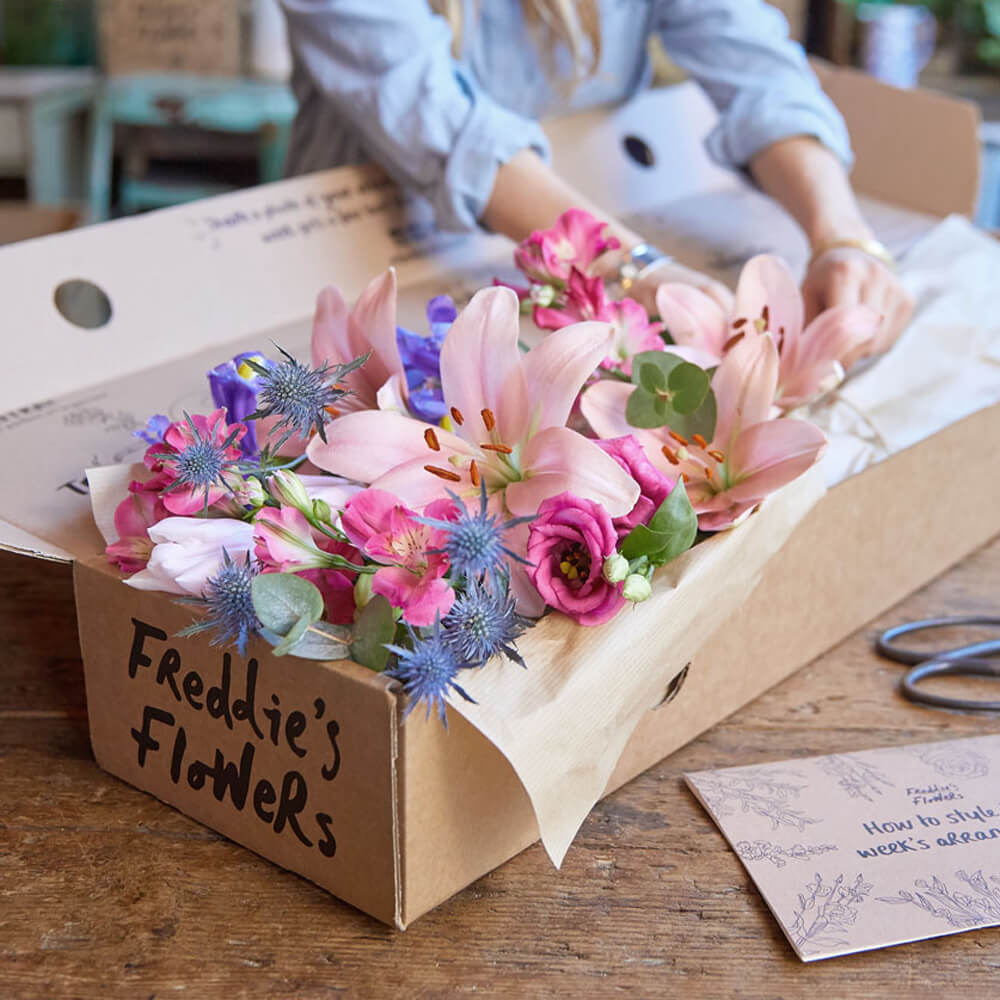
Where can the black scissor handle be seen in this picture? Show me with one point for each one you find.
(911, 657)
(942, 667)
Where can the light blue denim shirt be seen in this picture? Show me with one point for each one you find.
(375, 80)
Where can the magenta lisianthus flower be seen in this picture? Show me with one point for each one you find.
(134, 516)
(567, 545)
(413, 564)
(576, 240)
(654, 486)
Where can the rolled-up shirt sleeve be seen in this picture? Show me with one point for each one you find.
(740, 53)
(387, 69)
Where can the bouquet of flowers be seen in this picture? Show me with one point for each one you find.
(415, 501)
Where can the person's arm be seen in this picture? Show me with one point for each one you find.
(776, 121)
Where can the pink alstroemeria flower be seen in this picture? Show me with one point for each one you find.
(586, 299)
(576, 240)
(340, 335)
(768, 300)
(749, 455)
(134, 516)
(509, 413)
(412, 573)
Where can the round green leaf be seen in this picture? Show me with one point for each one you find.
(689, 385)
(375, 626)
(283, 600)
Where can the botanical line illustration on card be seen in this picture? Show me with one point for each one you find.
(765, 850)
(763, 793)
(827, 912)
(856, 776)
(954, 761)
(957, 906)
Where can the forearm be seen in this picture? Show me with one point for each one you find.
(813, 186)
(528, 195)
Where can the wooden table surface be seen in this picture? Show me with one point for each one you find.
(106, 893)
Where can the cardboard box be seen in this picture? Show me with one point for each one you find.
(177, 36)
(309, 763)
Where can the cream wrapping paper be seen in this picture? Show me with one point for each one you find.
(563, 723)
(945, 366)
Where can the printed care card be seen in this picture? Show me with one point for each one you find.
(865, 850)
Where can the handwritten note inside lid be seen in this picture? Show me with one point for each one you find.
(866, 850)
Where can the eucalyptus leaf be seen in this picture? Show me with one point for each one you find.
(651, 377)
(688, 385)
(291, 637)
(702, 421)
(643, 409)
(663, 361)
(282, 600)
(320, 641)
(375, 626)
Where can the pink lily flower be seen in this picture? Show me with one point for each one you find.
(749, 455)
(412, 572)
(339, 336)
(509, 413)
(768, 300)
(576, 240)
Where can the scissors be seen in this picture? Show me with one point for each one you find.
(960, 661)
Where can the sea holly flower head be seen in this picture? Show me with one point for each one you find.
(409, 550)
(229, 611)
(421, 358)
(576, 240)
(197, 456)
(427, 670)
(234, 385)
(811, 358)
(475, 541)
(301, 397)
(484, 622)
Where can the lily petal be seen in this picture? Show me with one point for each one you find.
(363, 445)
(692, 318)
(767, 281)
(836, 334)
(372, 327)
(558, 367)
(557, 460)
(744, 385)
(771, 454)
(481, 366)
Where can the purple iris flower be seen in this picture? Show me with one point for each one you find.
(154, 430)
(234, 386)
(421, 357)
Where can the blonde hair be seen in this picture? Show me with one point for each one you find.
(574, 24)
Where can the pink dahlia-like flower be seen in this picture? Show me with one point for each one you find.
(576, 240)
(412, 570)
(654, 486)
(567, 545)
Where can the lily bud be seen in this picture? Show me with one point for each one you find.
(290, 491)
(615, 568)
(637, 588)
(322, 511)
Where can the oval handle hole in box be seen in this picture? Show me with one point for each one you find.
(83, 304)
(673, 688)
(639, 151)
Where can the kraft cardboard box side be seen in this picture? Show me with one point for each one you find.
(456, 809)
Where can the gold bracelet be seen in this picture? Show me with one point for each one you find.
(874, 248)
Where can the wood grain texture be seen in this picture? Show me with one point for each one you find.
(107, 893)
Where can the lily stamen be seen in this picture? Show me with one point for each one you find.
(501, 449)
(737, 323)
(456, 415)
(446, 474)
(669, 455)
(431, 438)
(717, 455)
(699, 440)
(474, 473)
(678, 438)
(488, 419)
(733, 341)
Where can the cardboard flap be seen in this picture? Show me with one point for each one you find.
(913, 148)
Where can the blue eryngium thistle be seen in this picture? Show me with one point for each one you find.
(474, 542)
(200, 465)
(228, 606)
(427, 670)
(300, 395)
(483, 622)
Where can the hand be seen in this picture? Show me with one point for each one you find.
(644, 291)
(847, 276)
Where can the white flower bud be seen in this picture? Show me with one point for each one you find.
(637, 588)
(290, 491)
(615, 568)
